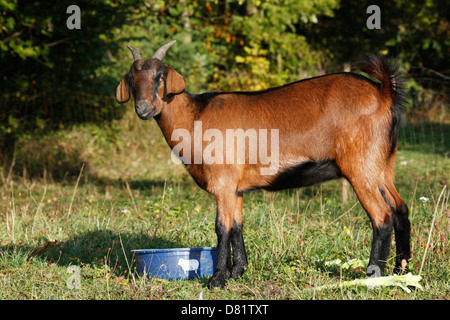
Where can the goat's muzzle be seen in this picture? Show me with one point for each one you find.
(145, 110)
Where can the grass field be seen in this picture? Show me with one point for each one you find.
(129, 195)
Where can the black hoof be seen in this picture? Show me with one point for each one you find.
(218, 279)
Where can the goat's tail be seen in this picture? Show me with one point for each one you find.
(392, 82)
(392, 89)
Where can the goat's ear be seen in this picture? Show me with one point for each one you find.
(123, 91)
(174, 81)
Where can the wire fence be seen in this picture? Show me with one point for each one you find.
(424, 136)
(430, 96)
(73, 108)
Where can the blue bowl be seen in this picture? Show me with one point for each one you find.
(177, 263)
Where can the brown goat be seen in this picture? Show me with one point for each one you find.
(332, 126)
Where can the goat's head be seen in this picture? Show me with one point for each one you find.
(153, 84)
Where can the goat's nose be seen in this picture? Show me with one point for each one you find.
(141, 104)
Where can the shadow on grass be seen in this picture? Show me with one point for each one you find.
(97, 249)
(104, 250)
(106, 247)
(135, 184)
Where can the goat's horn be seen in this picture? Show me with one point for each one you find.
(159, 54)
(136, 54)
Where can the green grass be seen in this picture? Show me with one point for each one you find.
(130, 196)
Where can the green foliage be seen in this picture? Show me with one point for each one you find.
(416, 32)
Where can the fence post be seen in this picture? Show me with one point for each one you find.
(344, 186)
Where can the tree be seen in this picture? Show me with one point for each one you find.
(44, 64)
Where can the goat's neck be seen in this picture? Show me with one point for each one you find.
(177, 114)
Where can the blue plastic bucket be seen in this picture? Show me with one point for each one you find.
(177, 263)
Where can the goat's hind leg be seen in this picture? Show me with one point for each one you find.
(381, 217)
(402, 226)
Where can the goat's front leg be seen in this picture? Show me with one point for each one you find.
(237, 241)
(226, 203)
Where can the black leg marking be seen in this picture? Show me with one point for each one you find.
(381, 245)
(223, 267)
(381, 242)
(402, 229)
(239, 257)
